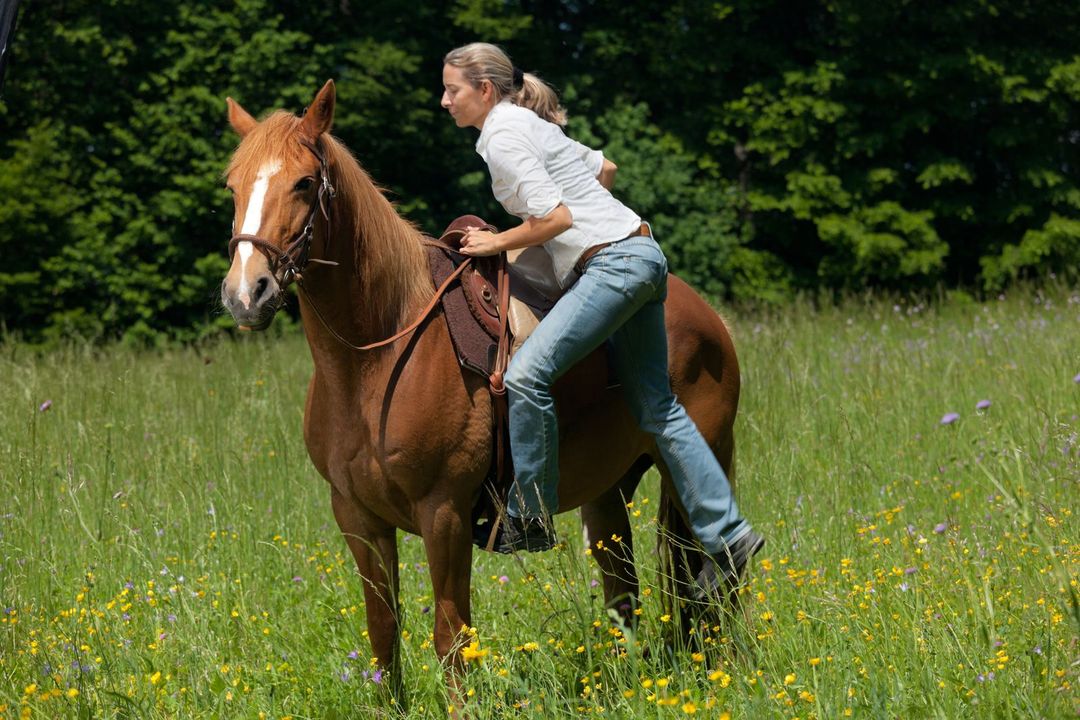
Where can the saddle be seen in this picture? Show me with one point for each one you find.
(491, 307)
(472, 305)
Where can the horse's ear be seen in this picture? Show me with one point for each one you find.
(320, 114)
(240, 118)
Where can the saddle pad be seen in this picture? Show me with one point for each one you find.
(474, 345)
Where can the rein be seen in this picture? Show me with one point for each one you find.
(289, 264)
(415, 324)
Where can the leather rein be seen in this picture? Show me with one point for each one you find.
(289, 264)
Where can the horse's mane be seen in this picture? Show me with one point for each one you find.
(388, 256)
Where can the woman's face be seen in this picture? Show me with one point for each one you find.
(468, 105)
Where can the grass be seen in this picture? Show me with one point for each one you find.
(167, 550)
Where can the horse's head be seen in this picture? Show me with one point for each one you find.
(280, 185)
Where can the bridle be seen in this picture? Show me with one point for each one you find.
(289, 264)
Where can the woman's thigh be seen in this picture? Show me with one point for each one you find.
(612, 290)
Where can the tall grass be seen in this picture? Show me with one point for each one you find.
(167, 550)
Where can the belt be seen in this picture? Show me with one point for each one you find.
(586, 256)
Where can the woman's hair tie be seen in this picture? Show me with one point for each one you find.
(519, 77)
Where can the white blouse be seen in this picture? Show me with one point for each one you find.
(534, 166)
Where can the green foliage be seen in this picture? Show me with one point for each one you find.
(1055, 247)
(691, 209)
(881, 245)
(36, 204)
(775, 146)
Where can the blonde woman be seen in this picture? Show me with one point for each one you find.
(614, 278)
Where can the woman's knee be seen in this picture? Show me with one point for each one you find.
(525, 375)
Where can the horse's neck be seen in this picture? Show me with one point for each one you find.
(382, 277)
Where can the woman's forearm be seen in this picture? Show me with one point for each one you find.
(537, 231)
(533, 231)
(607, 174)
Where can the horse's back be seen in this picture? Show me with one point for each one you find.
(601, 439)
(702, 361)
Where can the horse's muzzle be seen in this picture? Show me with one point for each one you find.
(252, 298)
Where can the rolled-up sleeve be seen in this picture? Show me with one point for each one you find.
(593, 159)
(517, 163)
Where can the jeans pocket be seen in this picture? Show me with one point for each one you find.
(646, 272)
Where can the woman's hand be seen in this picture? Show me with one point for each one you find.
(479, 242)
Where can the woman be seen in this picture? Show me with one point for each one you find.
(614, 277)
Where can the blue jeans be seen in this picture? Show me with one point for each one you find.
(620, 296)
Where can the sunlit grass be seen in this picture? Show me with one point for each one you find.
(167, 550)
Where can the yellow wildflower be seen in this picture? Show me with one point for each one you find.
(472, 652)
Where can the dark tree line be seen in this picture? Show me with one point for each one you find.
(776, 146)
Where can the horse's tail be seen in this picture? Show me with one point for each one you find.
(681, 559)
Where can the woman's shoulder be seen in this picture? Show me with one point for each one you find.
(507, 113)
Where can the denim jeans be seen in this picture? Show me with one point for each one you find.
(620, 296)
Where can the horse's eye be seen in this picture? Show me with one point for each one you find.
(304, 184)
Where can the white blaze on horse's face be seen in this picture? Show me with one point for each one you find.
(253, 216)
(253, 224)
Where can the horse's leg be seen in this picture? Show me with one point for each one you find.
(374, 547)
(606, 525)
(447, 540)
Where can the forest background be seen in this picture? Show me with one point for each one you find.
(778, 148)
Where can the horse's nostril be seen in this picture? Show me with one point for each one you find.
(260, 287)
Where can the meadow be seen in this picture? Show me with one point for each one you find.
(168, 551)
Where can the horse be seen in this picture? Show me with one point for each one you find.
(401, 433)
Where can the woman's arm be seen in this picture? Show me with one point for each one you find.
(534, 231)
(607, 174)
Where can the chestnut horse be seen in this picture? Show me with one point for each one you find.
(400, 431)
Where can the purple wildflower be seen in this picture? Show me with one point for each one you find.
(910, 570)
(376, 677)
(43, 407)
(982, 405)
(949, 418)
(354, 654)
(297, 578)
(1077, 378)
(503, 579)
(941, 527)
(344, 676)
(593, 583)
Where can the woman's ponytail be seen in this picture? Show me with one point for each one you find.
(484, 61)
(541, 98)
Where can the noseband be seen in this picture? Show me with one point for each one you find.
(289, 264)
